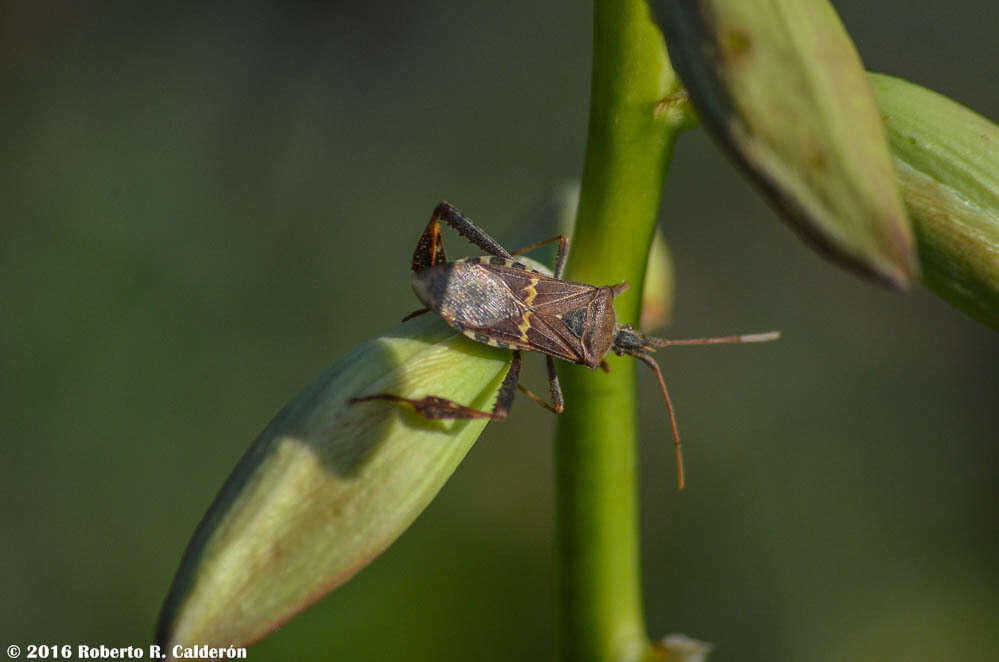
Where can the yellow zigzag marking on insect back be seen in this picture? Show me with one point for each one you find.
(530, 291)
(525, 324)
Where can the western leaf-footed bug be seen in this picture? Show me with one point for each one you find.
(504, 303)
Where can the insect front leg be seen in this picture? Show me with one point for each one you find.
(433, 407)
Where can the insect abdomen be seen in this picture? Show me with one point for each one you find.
(465, 294)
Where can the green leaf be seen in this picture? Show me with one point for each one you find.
(780, 84)
(329, 485)
(947, 167)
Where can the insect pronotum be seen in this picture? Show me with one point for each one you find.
(499, 301)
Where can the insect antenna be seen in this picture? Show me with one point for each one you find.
(747, 337)
(681, 474)
(633, 343)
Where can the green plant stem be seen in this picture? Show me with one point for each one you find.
(628, 151)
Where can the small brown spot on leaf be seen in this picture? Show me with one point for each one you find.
(817, 161)
(736, 43)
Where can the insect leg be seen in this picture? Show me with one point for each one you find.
(681, 479)
(504, 400)
(563, 252)
(415, 313)
(447, 213)
(433, 407)
(556, 388)
(563, 246)
(430, 248)
(558, 405)
(430, 407)
(537, 398)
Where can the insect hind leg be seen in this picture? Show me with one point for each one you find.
(433, 407)
(430, 407)
(446, 212)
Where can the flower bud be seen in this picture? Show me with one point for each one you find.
(947, 167)
(780, 84)
(329, 485)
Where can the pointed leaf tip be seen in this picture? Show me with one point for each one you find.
(328, 486)
(780, 84)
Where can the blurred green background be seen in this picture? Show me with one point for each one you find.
(205, 204)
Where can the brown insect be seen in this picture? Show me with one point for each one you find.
(505, 303)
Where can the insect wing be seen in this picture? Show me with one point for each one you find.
(533, 333)
(542, 300)
(543, 294)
